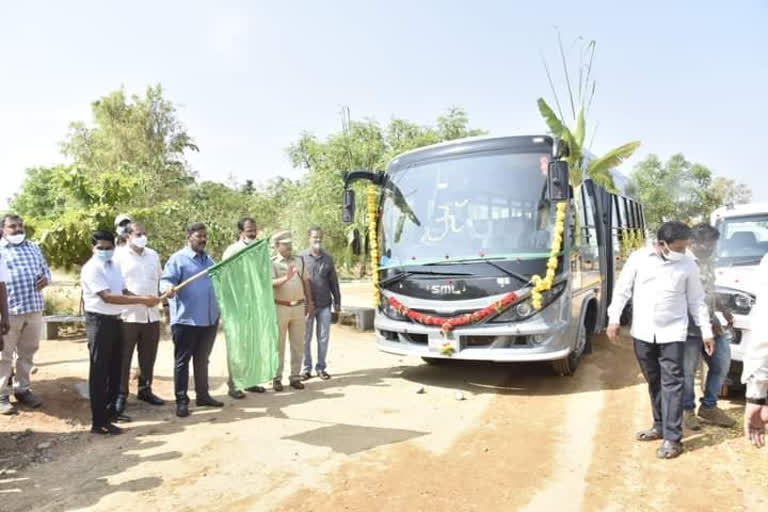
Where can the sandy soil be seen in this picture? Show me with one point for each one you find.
(522, 439)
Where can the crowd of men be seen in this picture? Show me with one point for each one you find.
(674, 324)
(671, 284)
(123, 284)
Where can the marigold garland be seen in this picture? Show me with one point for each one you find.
(539, 284)
(373, 241)
(448, 324)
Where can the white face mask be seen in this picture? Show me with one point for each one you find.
(17, 238)
(670, 254)
(139, 241)
(317, 245)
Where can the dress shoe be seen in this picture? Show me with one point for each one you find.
(112, 430)
(150, 398)
(120, 418)
(236, 394)
(277, 385)
(119, 404)
(256, 389)
(28, 399)
(208, 401)
(296, 384)
(182, 410)
(324, 375)
(306, 376)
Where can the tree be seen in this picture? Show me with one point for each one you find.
(680, 190)
(580, 100)
(141, 136)
(316, 199)
(131, 160)
(729, 192)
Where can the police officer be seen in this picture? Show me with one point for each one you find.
(293, 300)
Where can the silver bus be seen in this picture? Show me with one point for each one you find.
(464, 223)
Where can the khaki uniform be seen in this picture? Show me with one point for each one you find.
(290, 319)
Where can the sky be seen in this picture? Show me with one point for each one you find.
(249, 77)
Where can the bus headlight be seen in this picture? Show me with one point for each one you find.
(525, 309)
(389, 311)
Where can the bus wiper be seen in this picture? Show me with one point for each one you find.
(519, 277)
(406, 273)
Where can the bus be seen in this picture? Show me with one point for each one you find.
(461, 225)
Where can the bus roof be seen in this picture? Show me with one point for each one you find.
(522, 143)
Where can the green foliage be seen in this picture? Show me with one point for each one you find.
(364, 145)
(131, 160)
(580, 99)
(681, 190)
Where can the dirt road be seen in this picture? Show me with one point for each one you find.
(521, 439)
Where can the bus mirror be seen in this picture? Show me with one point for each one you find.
(557, 180)
(348, 207)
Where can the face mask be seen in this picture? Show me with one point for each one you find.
(140, 242)
(317, 245)
(16, 239)
(120, 230)
(104, 255)
(670, 254)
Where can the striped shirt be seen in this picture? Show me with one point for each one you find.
(26, 264)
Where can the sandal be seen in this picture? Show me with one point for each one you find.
(669, 450)
(111, 430)
(649, 435)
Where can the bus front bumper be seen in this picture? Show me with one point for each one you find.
(533, 340)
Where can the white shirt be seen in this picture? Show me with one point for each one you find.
(141, 274)
(4, 275)
(662, 293)
(234, 249)
(755, 374)
(97, 276)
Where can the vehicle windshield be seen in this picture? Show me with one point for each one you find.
(743, 240)
(477, 206)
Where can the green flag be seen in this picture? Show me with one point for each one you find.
(243, 286)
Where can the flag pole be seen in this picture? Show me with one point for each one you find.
(184, 283)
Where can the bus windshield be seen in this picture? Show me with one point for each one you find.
(476, 206)
(743, 240)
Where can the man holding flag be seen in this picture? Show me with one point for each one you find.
(194, 317)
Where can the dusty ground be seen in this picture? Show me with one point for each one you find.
(366, 440)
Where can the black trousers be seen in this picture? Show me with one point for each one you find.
(144, 337)
(104, 334)
(662, 366)
(191, 342)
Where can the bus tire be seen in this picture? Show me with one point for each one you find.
(567, 365)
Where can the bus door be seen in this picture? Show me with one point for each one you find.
(602, 201)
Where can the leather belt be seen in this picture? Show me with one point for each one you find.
(289, 303)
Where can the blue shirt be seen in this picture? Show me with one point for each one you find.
(195, 304)
(26, 265)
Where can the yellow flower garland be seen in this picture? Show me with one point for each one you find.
(373, 241)
(539, 284)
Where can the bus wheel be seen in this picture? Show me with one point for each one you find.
(567, 366)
